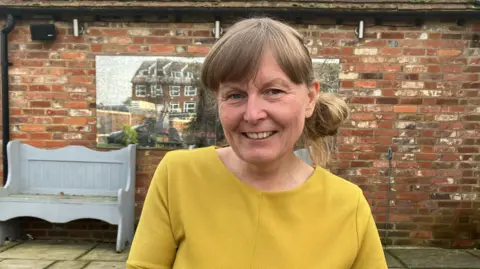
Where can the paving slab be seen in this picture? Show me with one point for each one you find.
(436, 258)
(392, 262)
(106, 252)
(68, 265)
(106, 265)
(47, 250)
(24, 264)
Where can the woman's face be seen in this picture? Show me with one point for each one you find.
(264, 118)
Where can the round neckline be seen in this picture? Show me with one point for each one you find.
(256, 191)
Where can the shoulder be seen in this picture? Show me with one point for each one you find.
(336, 185)
(185, 157)
(342, 194)
(189, 165)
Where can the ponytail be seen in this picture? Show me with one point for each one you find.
(319, 131)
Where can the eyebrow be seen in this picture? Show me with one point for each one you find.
(275, 81)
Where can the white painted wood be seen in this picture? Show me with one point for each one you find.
(70, 183)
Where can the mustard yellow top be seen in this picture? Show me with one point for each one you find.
(198, 215)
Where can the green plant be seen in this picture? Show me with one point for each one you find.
(129, 135)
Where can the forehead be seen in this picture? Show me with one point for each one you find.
(268, 72)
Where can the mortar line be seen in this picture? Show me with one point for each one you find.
(50, 265)
(474, 255)
(86, 252)
(86, 264)
(10, 247)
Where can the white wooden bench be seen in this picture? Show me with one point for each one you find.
(70, 183)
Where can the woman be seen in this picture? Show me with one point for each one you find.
(254, 204)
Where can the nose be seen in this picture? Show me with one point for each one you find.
(254, 110)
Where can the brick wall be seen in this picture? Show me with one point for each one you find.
(415, 89)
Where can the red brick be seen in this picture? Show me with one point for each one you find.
(35, 143)
(433, 68)
(346, 51)
(76, 120)
(40, 104)
(33, 111)
(18, 136)
(32, 128)
(407, 109)
(391, 67)
(137, 48)
(73, 55)
(76, 104)
(363, 116)
(410, 43)
(58, 120)
(363, 100)
(113, 32)
(392, 35)
(41, 136)
(57, 128)
(390, 51)
(200, 49)
(56, 112)
(421, 234)
(416, 52)
(39, 88)
(96, 47)
(162, 48)
(80, 79)
(433, 43)
(346, 84)
(57, 72)
(449, 52)
(180, 41)
(365, 84)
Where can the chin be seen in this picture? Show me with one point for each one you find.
(257, 156)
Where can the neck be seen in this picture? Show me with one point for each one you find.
(288, 172)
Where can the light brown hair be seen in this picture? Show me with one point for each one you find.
(236, 55)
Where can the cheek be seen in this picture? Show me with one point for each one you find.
(227, 117)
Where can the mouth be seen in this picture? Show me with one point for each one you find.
(259, 136)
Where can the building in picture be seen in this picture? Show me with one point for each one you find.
(167, 86)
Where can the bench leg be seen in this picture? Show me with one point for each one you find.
(11, 230)
(3, 232)
(15, 230)
(121, 236)
(125, 234)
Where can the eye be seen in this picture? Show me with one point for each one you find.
(274, 91)
(235, 96)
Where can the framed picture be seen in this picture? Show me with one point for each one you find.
(160, 102)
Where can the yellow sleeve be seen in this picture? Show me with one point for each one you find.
(370, 253)
(154, 246)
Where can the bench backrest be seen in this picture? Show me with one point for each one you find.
(304, 155)
(71, 170)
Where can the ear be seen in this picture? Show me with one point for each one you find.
(313, 92)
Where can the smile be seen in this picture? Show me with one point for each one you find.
(261, 135)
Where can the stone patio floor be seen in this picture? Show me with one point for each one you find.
(76, 255)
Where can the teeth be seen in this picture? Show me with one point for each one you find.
(259, 135)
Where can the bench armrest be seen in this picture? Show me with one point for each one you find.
(131, 171)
